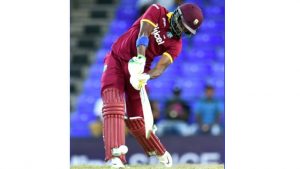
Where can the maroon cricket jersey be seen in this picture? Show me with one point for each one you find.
(160, 40)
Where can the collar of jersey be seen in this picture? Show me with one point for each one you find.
(169, 16)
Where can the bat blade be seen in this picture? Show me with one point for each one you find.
(148, 116)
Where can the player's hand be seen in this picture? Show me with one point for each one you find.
(139, 80)
(136, 65)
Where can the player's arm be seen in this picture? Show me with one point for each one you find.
(148, 23)
(172, 51)
(160, 67)
(136, 67)
(143, 38)
(137, 79)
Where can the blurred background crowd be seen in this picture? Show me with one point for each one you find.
(187, 100)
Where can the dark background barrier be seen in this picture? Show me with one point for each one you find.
(195, 149)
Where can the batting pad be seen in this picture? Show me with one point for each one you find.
(113, 119)
(151, 146)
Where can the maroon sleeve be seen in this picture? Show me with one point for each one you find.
(152, 14)
(173, 50)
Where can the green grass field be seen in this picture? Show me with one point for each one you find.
(183, 166)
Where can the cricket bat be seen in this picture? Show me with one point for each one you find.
(148, 116)
(136, 66)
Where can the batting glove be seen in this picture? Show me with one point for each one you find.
(136, 65)
(139, 80)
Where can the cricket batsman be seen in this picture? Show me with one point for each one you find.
(157, 32)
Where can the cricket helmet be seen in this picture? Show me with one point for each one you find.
(186, 18)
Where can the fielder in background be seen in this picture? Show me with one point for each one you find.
(156, 33)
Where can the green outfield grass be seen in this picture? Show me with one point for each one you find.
(183, 166)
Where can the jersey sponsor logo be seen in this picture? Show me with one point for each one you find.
(157, 37)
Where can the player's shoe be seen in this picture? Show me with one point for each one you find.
(166, 159)
(116, 163)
